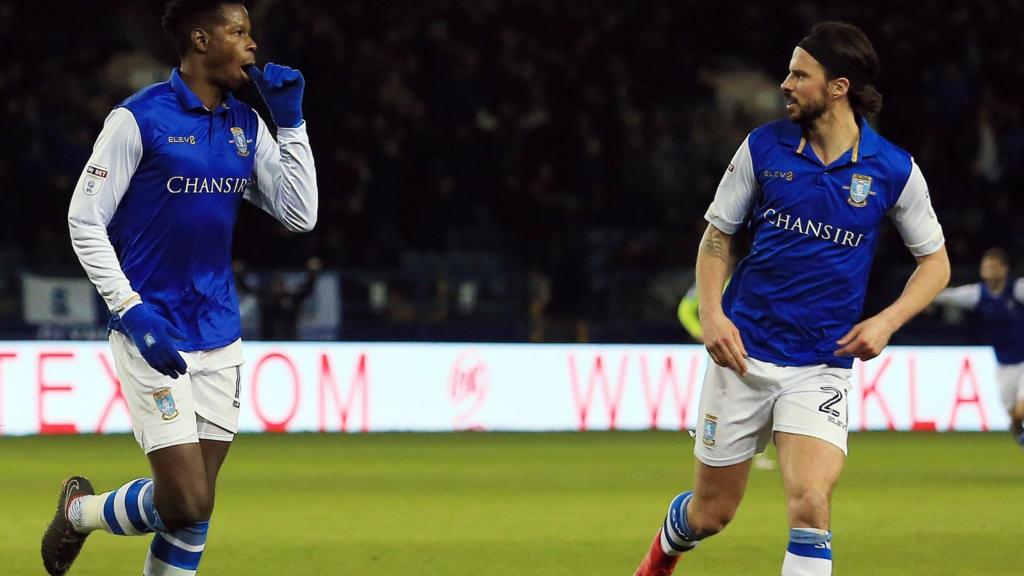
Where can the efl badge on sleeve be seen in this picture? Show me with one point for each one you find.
(95, 176)
(165, 403)
(710, 427)
(860, 189)
(241, 144)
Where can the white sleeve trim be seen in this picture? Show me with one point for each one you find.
(1018, 290)
(914, 217)
(966, 296)
(285, 177)
(736, 192)
(103, 183)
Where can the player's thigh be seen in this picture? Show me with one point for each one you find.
(214, 454)
(735, 414)
(814, 402)
(810, 469)
(161, 408)
(181, 490)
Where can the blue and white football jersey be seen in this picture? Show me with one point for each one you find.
(154, 210)
(1000, 316)
(815, 228)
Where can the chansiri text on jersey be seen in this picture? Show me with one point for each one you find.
(187, 185)
(809, 227)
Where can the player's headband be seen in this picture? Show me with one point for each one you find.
(838, 66)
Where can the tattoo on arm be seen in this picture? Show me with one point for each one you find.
(715, 244)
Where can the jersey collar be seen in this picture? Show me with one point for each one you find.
(791, 136)
(188, 98)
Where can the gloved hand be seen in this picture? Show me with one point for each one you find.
(281, 88)
(154, 337)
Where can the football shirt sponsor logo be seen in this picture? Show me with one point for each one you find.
(786, 175)
(189, 185)
(809, 227)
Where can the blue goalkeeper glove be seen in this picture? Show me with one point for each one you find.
(154, 337)
(281, 88)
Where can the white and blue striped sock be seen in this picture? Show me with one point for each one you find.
(809, 553)
(177, 553)
(127, 511)
(676, 535)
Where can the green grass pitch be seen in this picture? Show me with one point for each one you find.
(531, 504)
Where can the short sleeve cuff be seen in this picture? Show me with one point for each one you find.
(930, 246)
(721, 223)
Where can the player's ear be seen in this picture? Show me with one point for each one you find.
(200, 40)
(839, 87)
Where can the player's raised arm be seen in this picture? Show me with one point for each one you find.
(919, 227)
(285, 175)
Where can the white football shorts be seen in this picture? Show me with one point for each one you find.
(739, 413)
(165, 411)
(1011, 384)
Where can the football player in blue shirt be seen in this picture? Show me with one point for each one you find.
(814, 190)
(151, 220)
(998, 304)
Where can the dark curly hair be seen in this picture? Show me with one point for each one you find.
(183, 16)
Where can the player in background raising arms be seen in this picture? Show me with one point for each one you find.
(151, 220)
(998, 304)
(814, 190)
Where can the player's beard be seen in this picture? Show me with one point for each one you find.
(811, 111)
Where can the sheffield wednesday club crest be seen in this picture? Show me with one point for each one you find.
(860, 189)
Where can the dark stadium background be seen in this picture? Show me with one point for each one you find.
(556, 155)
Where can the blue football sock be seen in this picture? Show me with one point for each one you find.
(809, 553)
(127, 511)
(676, 535)
(177, 553)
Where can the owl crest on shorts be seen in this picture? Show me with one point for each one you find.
(165, 403)
(710, 427)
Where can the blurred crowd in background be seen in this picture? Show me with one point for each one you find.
(532, 170)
